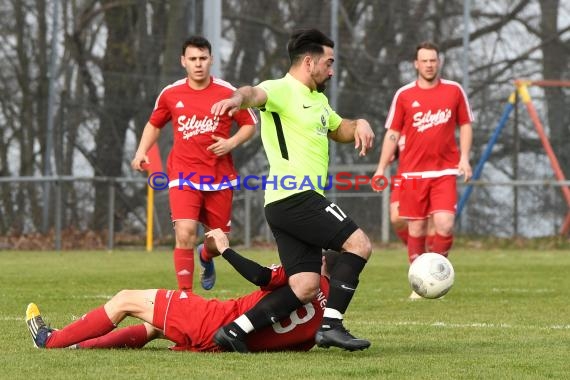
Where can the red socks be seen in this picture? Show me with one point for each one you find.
(127, 337)
(205, 254)
(91, 325)
(184, 267)
(442, 244)
(416, 246)
(403, 235)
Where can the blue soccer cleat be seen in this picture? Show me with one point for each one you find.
(208, 271)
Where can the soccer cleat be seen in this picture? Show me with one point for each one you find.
(334, 334)
(38, 329)
(229, 340)
(208, 271)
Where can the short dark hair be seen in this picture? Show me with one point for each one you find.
(303, 41)
(427, 45)
(197, 41)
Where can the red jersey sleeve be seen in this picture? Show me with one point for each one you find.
(161, 113)
(395, 118)
(245, 117)
(464, 114)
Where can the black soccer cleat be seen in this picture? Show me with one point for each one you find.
(229, 340)
(335, 335)
(39, 331)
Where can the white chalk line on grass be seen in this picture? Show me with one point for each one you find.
(474, 325)
(523, 290)
(92, 296)
(10, 318)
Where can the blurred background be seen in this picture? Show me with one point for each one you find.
(80, 77)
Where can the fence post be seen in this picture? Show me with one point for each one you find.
(111, 214)
(58, 214)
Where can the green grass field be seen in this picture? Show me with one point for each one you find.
(507, 316)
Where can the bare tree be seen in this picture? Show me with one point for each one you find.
(114, 56)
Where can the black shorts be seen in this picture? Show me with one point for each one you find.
(303, 225)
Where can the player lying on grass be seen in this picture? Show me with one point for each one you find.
(188, 320)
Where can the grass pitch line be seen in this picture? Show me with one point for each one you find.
(92, 296)
(467, 325)
(523, 290)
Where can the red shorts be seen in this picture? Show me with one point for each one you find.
(420, 198)
(189, 320)
(211, 208)
(395, 189)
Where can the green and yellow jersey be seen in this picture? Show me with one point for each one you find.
(295, 122)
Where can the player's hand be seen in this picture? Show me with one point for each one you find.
(140, 162)
(378, 179)
(221, 146)
(220, 239)
(229, 106)
(363, 136)
(465, 170)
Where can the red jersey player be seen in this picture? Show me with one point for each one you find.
(200, 167)
(187, 319)
(399, 224)
(427, 112)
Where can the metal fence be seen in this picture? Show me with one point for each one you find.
(369, 209)
(67, 115)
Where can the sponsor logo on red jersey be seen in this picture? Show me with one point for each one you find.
(423, 121)
(193, 126)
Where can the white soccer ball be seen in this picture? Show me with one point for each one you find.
(431, 275)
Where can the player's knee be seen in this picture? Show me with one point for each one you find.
(185, 234)
(304, 287)
(359, 244)
(443, 223)
(445, 230)
(118, 303)
(306, 294)
(185, 240)
(121, 297)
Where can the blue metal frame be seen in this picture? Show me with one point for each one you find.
(486, 154)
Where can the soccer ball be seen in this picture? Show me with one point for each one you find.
(431, 275)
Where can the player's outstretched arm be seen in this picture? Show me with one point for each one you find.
(243, 97)
(250, 270)
(358, 131)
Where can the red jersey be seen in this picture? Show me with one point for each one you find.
(194, 125)
(191, 321)
(428, 119)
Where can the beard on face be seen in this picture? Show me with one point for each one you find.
(321, 87)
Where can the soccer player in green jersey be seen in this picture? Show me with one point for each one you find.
(297, 122)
